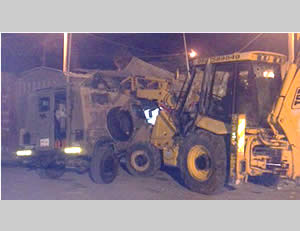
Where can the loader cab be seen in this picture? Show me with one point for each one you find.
(239, 87)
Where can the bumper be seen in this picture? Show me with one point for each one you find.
(24, 153)
(42, 159)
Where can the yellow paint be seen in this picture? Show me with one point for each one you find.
(212, 125)
(263, 56)
(170, 155)
(241, 133)
(163, 131)
(195, 153)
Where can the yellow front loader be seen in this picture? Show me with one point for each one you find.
(237, 116)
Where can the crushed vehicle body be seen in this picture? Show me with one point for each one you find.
(93, 128)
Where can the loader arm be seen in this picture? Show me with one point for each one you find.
(285, 116)
(155, 89)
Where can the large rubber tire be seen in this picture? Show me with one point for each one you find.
(119, 124)
(202, 162)
(104, 166)
(143, 160)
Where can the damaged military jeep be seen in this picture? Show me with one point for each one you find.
(89, 125)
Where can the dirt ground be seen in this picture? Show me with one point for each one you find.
(21, 183)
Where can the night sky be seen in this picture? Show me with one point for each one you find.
(20, 52)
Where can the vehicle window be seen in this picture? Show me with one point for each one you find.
(220, 83)
(258, 86)
(221, 92)
(194, 94)
(44, 104)
(268, 82)
(247, 94)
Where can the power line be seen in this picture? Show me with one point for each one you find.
(119, 44)
(162, 55)
(143, 56)
(131, 47)
(140, 56)
(250, 42)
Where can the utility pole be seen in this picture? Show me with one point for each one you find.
(66, 70)
(291, 48)
(186, 56)
(67, 52)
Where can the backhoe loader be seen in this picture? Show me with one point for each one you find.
(237, 116)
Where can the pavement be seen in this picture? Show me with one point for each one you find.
(19, 183)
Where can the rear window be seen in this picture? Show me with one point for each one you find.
(44, 104)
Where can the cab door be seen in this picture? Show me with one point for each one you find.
(45, 120)
(220, 97)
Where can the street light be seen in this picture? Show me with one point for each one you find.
(193, 54)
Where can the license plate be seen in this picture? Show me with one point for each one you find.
(44, 142)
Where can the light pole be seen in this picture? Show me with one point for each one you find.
(66, 70)
(67, 52)
(291, 47)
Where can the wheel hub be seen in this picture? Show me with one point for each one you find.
(139, 160)
(199, 163)
(202, 162)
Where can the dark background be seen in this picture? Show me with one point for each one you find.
(23, 51)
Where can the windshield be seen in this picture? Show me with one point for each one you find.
(258, 86)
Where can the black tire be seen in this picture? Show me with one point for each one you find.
(143, 160)
(104, 166)
(119, 124)
(211, 163)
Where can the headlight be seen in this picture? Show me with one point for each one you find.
(24, 153)
(72, 150)
(269, 74)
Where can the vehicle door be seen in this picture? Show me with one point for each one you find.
(45, 120)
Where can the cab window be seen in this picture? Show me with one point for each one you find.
(44, 104)
(258, 86)
(221, 92)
